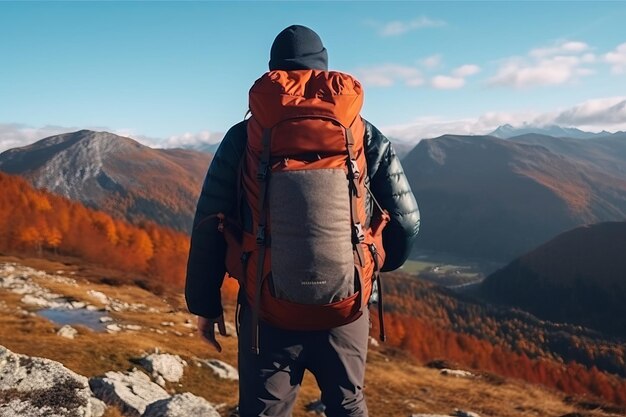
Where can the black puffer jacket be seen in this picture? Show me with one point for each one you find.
(205, 267)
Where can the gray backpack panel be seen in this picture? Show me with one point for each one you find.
(312, 254)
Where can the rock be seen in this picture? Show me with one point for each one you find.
(170, 367)
(374, 342)
(222, 369)
(98, 296)
(38, 387)
(133, 327)
(430, 415)
(461, 413)
(160, 381)
(105, 319)
(458, 373)
(91, 307)
(78, 304)
(132, 391)
(67, 331)
(167, 323)
(113, 328)
(35, 301)
(316, 406)
(181, 405)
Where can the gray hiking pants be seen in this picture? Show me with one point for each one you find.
(269, 382)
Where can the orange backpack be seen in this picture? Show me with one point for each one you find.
(311, 256)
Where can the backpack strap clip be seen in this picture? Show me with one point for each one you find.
(354, 169)
(261, 174)
(358, 235)
(260, 235)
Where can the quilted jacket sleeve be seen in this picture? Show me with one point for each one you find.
(392, 190)
(205, 265)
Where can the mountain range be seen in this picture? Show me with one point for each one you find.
(485, 197)
(577, 277)
(115, 174)
(507, 131)
(479, 196)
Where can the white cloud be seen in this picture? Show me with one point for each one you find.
(456, 79)
(192, 140)
(617, 59)
(431, 62)
(387, 75)
(444, 82)
(608, 112)
(14, 135)
(559, 64)
(592, 115)
(559, 49)
(399, 27)
(466, 70)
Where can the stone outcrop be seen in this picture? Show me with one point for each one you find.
(181, 405)
(457, 373)
(132, 392)
(67, 331)
(221, 369)
(169, 367)
(37, 387)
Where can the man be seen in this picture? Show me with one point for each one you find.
(270, 377)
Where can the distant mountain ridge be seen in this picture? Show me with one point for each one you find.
(115, 174)
(508, 131)
(484, 197)
(578, 277)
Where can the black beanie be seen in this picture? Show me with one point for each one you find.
(298, 47)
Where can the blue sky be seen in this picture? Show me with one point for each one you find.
(176, 72)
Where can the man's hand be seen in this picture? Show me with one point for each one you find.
(206, 328)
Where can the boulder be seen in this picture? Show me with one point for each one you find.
(132, 391)
(99, 296)
(181, 405)
(113, 328)
(170, 367)
(67, 331)
(222, 369)
(462, 413)
(38, 387)
(430, 415)
(457, 373)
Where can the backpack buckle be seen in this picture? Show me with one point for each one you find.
(359, 236)
(260, 235)
(354, 169)
(261, 174)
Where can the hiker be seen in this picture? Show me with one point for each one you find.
(304, 203)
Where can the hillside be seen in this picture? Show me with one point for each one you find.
(115, 174)
(578, 277)
(496, 199)
(36, 221)
(140, 322)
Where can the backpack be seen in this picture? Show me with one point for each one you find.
(309, 259)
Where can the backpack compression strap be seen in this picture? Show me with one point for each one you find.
(358, 235)
(261, 239)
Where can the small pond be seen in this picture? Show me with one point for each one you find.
(80, 316)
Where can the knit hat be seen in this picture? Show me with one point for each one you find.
(298, 47)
